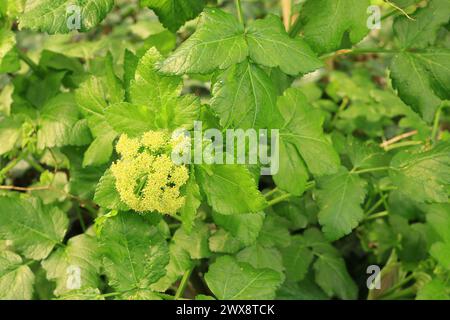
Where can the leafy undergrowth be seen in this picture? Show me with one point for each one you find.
(93, 205)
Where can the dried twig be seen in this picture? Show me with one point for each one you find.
(398, 138)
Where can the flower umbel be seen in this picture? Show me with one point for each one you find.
(146, 177)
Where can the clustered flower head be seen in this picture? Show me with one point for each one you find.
(146, 177)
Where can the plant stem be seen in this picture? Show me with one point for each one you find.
(9, 166)
(183, 283)
(343, 105)
(397, 286)
(271, 192)
(295, 28)
(408, 292)
(403, 144)
(80, 218)
(377, 215)
(279, 199)
(33, 66)
(371, 170)
(437, 118)
(286, 7)
(376, 205)
(240, 12)
(402, 136)
(358, 51)
(35, 164)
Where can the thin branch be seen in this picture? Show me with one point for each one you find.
(405, 135)
(399, 9)
(24, 188)
(437, 117)
(286, 7)
(183, 284)
(239, 11)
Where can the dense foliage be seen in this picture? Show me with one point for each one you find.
(93, 206)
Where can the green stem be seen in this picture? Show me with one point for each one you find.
(397, 286)
(408, 292)
(9, 166)
(240, 12)
(35, 164)
(343, 105)
(295, 28)
(389, 14)
(377, 215)
(403, 144)
(279, 199)
(376, 205)
(437, 118)
(80, 218)
(33, 66)
(371, 170)
(271, 192)
(183, 283)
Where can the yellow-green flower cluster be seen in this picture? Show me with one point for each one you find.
(146, 177)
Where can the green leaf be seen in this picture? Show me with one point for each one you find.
(292, 174)
(150, 87)
(100, 150)
(245, 97)
(174, 13)
(83, 294)
(135, 253)
(330, 271)
(224, 242)
(195, 242)
(297, 258)
(79, 258)
(193, 199)
(232, 280)
(328, 23)
(179, 262)
(161, 94)
(245, 227)
(10, 132)
(9, 59)
(270, 45)
(365, 155)
(60, 125)
(34, 229)
(83, 180)
(16, 278)
(165, 42)
(106, 194)
(303, 128)
(340, 197)
(274, 232)
(218, 43)
(436, 289)
(54, 16)
(57, 187)
(261, 257)
(92, 98)
(422, 77)
(304, 290)
(422, 30)
(130, 119)
(438, 218)
(230, 189)
(423, 176)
